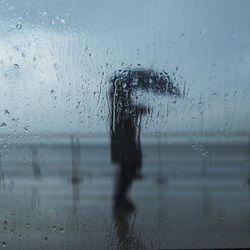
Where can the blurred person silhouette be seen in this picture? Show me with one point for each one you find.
(125, 128)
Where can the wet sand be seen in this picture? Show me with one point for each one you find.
(191, 193)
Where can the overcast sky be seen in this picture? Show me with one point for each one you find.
(56, 55)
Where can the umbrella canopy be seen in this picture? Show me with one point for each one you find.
(144, 79)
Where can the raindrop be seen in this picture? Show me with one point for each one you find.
(77, 106)
(16, 48)
(135, 82)
(203, 31)
(6, 112)
(26, 130)
(4, 244)
(56, 66)
(52, 91)
(54, 228)
(16, 66)
(23, 54)
(19, 26)
(44, 13)
(204, 154)
(3, 125)
(46, 239)
(61, 230)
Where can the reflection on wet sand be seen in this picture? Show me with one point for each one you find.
(125, 130)
(202, 197)
(76, 178)
(35, 165)
(1, 170)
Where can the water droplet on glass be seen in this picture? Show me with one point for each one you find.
(77, 106)
(4, 244)
(26, 129)
(61, 230)
(46, 239)
(44, 13)
(54, 228)
(3, 125)
(19, 26)
(16, 48)
(56, 66)
(135, 82)
(16, 66)
(6, 112)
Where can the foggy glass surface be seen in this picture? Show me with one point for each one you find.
(124, 124)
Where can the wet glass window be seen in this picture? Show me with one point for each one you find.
(124, 124)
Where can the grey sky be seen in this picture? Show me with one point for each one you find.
(75, 41)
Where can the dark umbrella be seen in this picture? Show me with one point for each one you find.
(144, 79)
